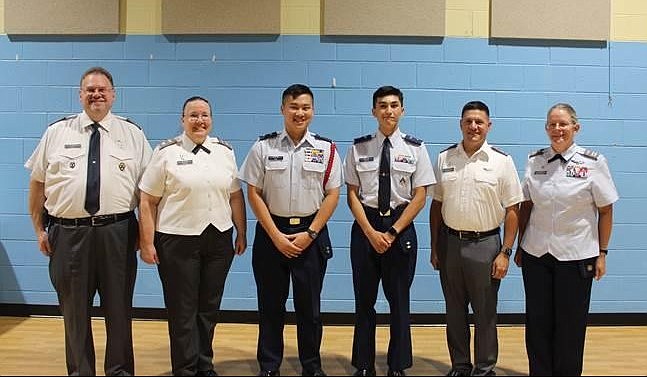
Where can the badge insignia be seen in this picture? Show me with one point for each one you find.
(122, 166)
(72, 164)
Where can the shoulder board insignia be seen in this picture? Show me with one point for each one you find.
(64, 118)
(412, 140)
(168, 143)
(593, 155)
(362, 139)
(537, 153)
(319, 137)
(448, 148)
(128, 120)
(498, 150)
(224, 144)
(271, 135)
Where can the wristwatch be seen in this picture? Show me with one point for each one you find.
(392, 231)
(312, 233)
(507, 251)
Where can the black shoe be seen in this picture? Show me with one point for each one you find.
(364, 372)
(316, 372)
(269, 373)
(209, 372)
(459, 372)
(395, 373)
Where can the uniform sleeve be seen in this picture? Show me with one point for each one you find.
(525, 185)
(437, 191)
(235, 182)
(424, 175)
(253, 171)
(511, 192)
(604, 190)
(153, 180)
(350, 172)
(335, 180)
(37, 162)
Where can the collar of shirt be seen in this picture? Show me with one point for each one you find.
(188, 144)
(284, 139)
(567, 154)
(395, 138)
(483, 153)
(105, 123)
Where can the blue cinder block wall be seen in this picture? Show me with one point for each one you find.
(244, 78)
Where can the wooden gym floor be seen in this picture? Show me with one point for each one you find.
(35, 346)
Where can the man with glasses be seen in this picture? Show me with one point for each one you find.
(82, 193)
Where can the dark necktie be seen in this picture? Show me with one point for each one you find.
(197, 148)
(557, 157)
(384, 189)
(93, 182)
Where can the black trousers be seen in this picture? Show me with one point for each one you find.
(272, 272)
(395, 268)
(466, 280)
(85, 260)
(558, 294)
(193, 270)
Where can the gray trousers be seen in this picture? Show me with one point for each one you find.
(465, 275)
(86, 260)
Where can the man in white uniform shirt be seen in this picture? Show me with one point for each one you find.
(293, 180)
(82, 193)
(478, 190)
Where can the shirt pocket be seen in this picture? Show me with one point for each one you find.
(313, 173)
(276, 171)
(402, 173)
(68, 162)
(368, 176)
(121, 163)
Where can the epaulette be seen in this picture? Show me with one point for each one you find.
(412, 140)
(271, 135)
(498, 150)
(593, 155)
(64, 118)
(537, 153)
(319, 137)
(128, 120)
(224, 144)
(362, 139)
(448, 148)
(168, 143)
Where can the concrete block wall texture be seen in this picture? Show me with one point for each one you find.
(244, 77)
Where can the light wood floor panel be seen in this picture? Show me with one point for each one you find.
(34, 346)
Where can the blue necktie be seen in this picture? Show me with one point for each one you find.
(93, 182)
(384, 188)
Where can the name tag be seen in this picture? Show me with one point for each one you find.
(70, 146)
(275, 158)
(366, 159)
(540, 172)
(185, 162)
(447, 170)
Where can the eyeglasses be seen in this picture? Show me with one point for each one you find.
(198, 117)
(554, 126)
(99, 89)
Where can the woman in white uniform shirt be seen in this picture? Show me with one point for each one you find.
(564, 231)
(190, 202)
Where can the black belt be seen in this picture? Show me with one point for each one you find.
(99, 220)
(471, 235)
(293, 221)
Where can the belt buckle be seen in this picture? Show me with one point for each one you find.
(95, 221)
(295, 221)
(387, 213)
